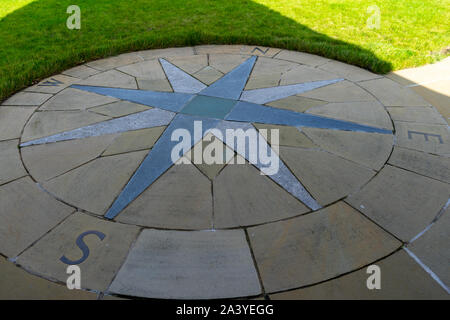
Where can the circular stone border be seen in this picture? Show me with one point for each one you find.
(250, 260)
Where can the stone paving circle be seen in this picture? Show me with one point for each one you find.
(85, 176)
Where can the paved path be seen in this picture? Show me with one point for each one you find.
(364, 178)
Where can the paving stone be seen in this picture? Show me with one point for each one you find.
(208, 75)
(17, 284)
(259, 51)
(148, 70)
(170, 52)
(263, 81)
(111, 78)
(81, 72)
(301, 74)
(343, 91)
(210, 145)
(47, 161)
(194, 265)
(11, 166)
(301, 57)
(288, 136)
(154, 85)
(423, 137)
(370, 113)
(209, 107)
(226, 62)
(134, 140)
(12, 121)
(326, 176)
(74, 99)
(242, 196)
(180, 80)
(180, 199)
(316, 247)
(190, 64)
(267, 66)
(27, 214)
(400, 201)
(53, 84)
(368, 149)
(104, 259)
(114, 62)
(435, 167)
(437, 94)
(416, 114)
(402, 279)
(27, 99)
(218, 49)
(433, 250)
(392, 94)
(347, 71)
(92, 186)
(296, 103)
(119, 109)
(43, 124)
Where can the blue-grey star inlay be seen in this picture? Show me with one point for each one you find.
(222, 105)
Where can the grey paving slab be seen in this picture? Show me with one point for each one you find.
(12, 121)
(134, 140)
(146, 119)
(154, 85)
(259, 51)
(170, 52)
(266, 95)
(180, 80)
(148, 70)
(296, 103)
(347, 71)
(208, 75)
(218, 49)
(429, 165)
(190, 64)
(92, 186)
(302, 73)
(226, 62)
(401, 279)
(17, 284)
(390, 93)
(74, 99)
(371, 113)
(402, 202)
(266, 80)
(50, 160)
(27, 214)
(242, 197)
(180, 199)
(288, 136)
(48, 123)
(27, 99)
(114, 62)
(416, 114)
(423, 137)
(230, 86)
(368, 149)
(327, 176)
(119, 109)
(301, 57)
(433, 250)
(99, 264)
(188, 265)
(343, 91)
(53, 84)
(81, 72)
(11, 166)
(111, 78)
(316, 247)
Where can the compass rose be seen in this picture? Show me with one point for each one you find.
(222, 105)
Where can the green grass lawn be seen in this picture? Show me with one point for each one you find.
(35, 42)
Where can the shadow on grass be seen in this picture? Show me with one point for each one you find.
(36, 42)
